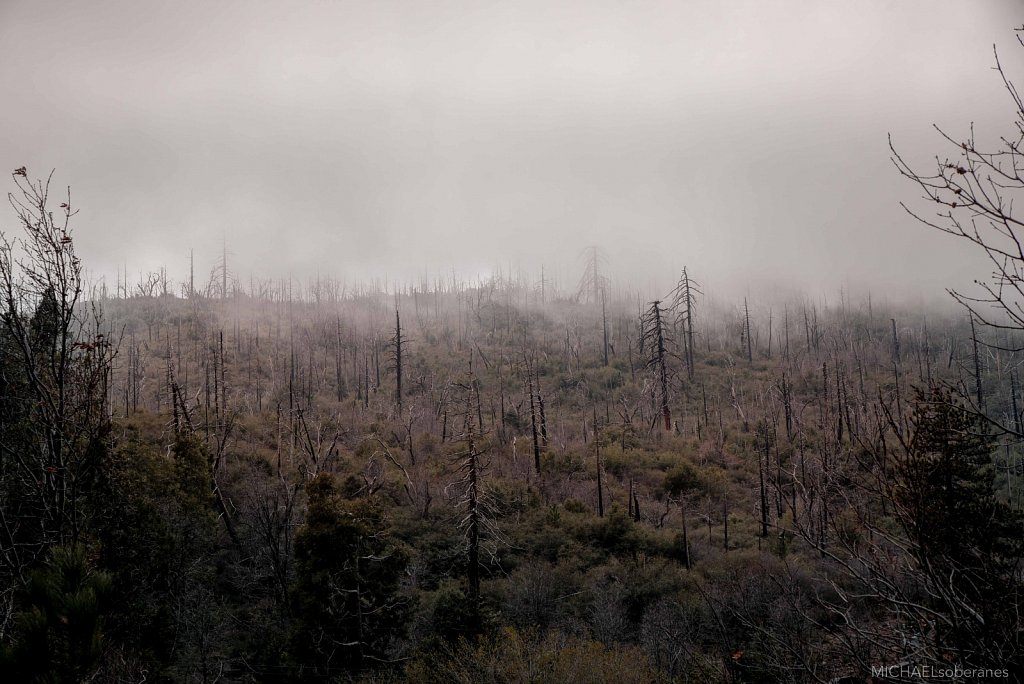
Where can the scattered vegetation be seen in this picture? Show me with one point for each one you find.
(497, 481)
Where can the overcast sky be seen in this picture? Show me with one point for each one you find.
(746, 140)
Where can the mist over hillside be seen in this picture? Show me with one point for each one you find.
(457, 342)
(395, 141)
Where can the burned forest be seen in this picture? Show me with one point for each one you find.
(608, 458)
(450, 478)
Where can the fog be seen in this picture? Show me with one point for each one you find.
(745, 140)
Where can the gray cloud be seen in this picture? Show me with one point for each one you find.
(744, 139)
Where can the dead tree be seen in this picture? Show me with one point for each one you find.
(684, 303)
(600, 478)
(895, 343)
(191, 274)
(786, 389)
(973, 191)
(746, 332)
(474, 507)
(543, 424)
(55, 366)
(604, 327)
(763, 463)
(224, 270)
(593, 281)
(653, 337)
(533, 420)
(397, 344)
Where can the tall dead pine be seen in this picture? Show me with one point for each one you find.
(471, 499)
(746, 331)
(397, 343)
(473, 507)
(533, 419)
(600, 478)
(653, 338)
(684, 303)
(977, 368)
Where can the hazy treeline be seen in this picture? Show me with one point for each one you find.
(497, 480)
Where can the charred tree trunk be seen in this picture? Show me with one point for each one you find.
(686, 541)
(533, 421)
(763, 463)
(746, 328)
(604, 326)
(654, 336)
(473, 516)
(398, 360)
(977, 368)
(725, 522)
(896, 341)
(600, 477)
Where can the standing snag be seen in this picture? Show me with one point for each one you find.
(593, 281)
(398, 342)
(684, 303)
(653, 338)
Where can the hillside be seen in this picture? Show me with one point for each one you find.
(524, 500)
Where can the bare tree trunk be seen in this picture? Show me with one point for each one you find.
(746, 327)
(604, 327)
(398, 360)
(533, 421)
(686, 541)
(762, 465)
(600, 480)
(654, 330)
(896, 342)
(473, 516)
(725, 519)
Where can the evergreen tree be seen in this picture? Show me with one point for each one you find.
(59, 636)
(157, 536)
(346, 588)
(966, 543)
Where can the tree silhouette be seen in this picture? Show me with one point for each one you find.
(654, 339)
(56, 366)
